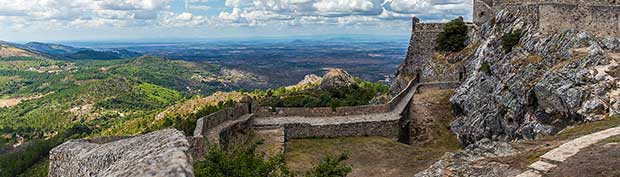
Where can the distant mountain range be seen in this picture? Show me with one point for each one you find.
(65, 52)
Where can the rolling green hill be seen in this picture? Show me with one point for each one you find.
(44, 102)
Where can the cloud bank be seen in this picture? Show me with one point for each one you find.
(20, 14)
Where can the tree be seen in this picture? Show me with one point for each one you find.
(453, 36)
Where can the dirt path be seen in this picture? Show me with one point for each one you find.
(598, 160)
(560, 155)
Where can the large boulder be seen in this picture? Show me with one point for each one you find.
(162, 153)
(336, 78)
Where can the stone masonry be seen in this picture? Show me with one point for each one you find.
(600, 17)
(422, 63)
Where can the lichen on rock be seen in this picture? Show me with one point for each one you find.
(162, 153)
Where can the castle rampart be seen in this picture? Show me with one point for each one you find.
(599, 17)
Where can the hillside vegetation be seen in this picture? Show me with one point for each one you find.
(56, 100)
(53, 101)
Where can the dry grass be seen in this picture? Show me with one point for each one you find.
(533, 58)
(613, 139)
(439, 57)
(192, 105)
(369, 156)
(269, 141)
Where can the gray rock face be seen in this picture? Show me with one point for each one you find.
(466, 162)
(544, 84)
(335, 78)
(162, 153)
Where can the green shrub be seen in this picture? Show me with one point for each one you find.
(15, 163)
(240, 162)
(485, 68)
(37, 170)
(354, 95)
(509, 40)
(453, 36)
(331, 167)
(246, 162)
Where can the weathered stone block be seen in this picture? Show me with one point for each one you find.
(162, 153)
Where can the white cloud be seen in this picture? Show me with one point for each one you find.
(197, 13)
(364, 7)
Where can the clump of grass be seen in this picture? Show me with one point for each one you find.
(533, 58)
(485, 68)
(509, 40)
(614, 139)
(590, 127)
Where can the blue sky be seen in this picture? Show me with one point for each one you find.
(92, 20)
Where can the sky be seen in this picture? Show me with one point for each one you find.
(110, 20)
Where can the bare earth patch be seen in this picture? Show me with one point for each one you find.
(10, 102)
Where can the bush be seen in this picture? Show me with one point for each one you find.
(453, 36)
(354, 95)
(241, 162)
(485, 68)
(509, 40)
(331, 167)
(14, 163)
(246, 162)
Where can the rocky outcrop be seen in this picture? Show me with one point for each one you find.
(468, 162)
(335, 78)
(161, 153)
(548, 81)
(309, 81)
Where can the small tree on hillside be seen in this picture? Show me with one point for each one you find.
(453, 36)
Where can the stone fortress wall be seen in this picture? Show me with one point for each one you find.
(231, 126)
(421, 63)
(600, 17)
